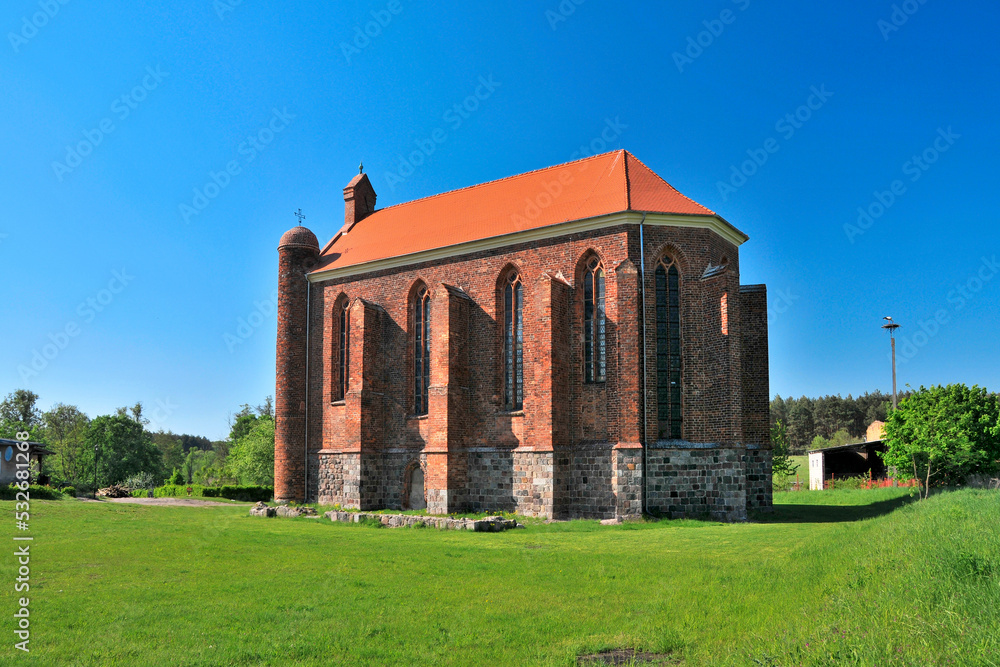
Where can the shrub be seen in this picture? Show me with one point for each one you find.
(177, 491)
(848, 482)
(69, 491)
(35, 492)
(177, 479)
(249, 494)
(140, 480)
(139, 493)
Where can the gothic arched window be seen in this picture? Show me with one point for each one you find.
(421, 349)
(668, 349)
(343, 351)
(513, 342)
(594, 322)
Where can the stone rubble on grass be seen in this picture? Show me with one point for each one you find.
(286, 511)
(611, 522)
(489, 524)
(262, 509)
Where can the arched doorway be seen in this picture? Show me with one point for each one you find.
(415, 489)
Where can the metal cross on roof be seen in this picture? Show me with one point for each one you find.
(301, 216)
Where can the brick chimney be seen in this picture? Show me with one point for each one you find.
(359, 200)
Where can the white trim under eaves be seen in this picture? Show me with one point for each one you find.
(710, 222)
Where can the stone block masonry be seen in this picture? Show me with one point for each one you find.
(697, 482)
(489, 524)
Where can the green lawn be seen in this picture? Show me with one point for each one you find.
(830, 578)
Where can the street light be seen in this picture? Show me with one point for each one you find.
(95, 468)
(892, 326)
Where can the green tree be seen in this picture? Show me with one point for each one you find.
(243, 424)
(171, 449)
(781, 462)
(20, 410)
(943, 434)
(66, 434)
(122, 448)
(779, 410)
(134, 413)
(251, 457)
(801, 427)
(841, 437)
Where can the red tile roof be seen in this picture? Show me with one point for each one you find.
(587, 188)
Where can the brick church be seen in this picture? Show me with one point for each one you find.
(568, 342)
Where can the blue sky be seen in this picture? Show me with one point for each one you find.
(116, 117)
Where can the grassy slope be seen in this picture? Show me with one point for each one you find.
(127, 584)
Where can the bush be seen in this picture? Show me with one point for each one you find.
(178, 491)
(250, 494)
(140, 480)
(140, 493)
(69, 491)
(177, 479)
(848, 482)
(35, 492)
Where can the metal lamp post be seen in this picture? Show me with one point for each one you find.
(95, 467)
(892, 326)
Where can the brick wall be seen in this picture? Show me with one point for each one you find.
(754, 372)
(477, 455)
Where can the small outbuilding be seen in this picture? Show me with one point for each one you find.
(9, 459)
(855, 460)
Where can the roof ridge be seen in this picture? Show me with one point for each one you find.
(669, 185)
(609, 169)
(497, 180)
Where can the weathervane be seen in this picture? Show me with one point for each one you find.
(361, 168)
(300, 215)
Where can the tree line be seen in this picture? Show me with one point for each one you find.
(813, 423)
(943, 435)
(113, 448)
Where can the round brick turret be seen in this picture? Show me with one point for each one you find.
(297, 253)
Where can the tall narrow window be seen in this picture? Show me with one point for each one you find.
(344, 351)
(594, 321)
(421, 350)
(513, 342)
(668, 349)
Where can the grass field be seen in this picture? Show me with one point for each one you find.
(830, 578)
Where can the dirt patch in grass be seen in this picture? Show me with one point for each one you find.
(627, 656)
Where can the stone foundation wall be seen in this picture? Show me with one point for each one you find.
(490, 480)
(339, 480)
(627, 475)
(759, 481)
(533, 483)
(586, 482)
(691, 482)
(592, 481)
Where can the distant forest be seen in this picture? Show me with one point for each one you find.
(832, 419)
